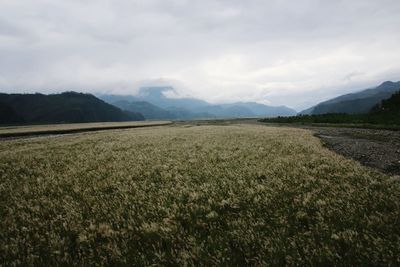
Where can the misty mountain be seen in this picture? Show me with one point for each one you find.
(156, 96)
(160, 106)
(359, 102)
(247, 109)
(153, 112)
(185, 114)
(68, 107)
(151, 101)
(148, 110)
(264, 110)
(228, 111)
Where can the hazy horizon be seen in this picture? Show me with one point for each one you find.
(277, 52)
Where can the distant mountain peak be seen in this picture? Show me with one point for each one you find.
(164, 106)
(387, 83)
(389, 86)
(154, 91)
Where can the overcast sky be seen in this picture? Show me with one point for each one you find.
(287, 52)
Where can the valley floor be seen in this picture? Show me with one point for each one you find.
(376, 148)
(199, 193)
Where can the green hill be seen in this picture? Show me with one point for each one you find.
(387, 112)
(355, 103)
(389, 106)
(68, 107)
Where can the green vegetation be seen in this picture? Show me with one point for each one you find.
(385, 113)
(324, 118)
(68, 107)
(193, 195)
(390, 106)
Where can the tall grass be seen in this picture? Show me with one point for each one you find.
(207, 195)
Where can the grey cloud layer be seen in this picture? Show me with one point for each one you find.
(279, 52)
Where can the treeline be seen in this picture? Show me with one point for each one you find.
(386, 113)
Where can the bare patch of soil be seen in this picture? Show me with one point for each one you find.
(375, 148)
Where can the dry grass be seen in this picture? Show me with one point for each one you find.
(207, 195)
(10, 131)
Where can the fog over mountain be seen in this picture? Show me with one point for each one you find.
(157, 103)
(293, 53)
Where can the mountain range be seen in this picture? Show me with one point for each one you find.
(68, 107)
(355, 103)
(154, 104)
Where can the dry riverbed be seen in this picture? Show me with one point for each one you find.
(374, 148)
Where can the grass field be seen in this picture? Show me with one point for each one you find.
(193, 195)
(16, 131)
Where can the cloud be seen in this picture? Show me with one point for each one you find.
(280, 52)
